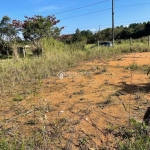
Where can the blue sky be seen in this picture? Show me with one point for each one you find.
(98, 14)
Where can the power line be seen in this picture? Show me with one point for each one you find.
(103, 10)
(81, 7)
(86, 14)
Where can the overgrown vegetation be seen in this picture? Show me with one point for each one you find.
(23, 78)
(134, 137)
(21, 81)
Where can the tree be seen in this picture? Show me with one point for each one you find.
(77, 36)
(7, 36)
(106, 34)
(147, 28)
(88, 35)
(38, 27)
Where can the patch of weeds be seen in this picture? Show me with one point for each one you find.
(18, 111)
(18, 98)
(134, 66)
(135, 136)
(110, 128)
(104, 69)
(100, 71)
(119, 58)
(28, 92)
(82, 72)
(78, 92)
(4, 144)
(94, 68)
(97, 68)
(45, 109)
(62, 121)
(30, 122)
(57, 128)
(83, 142)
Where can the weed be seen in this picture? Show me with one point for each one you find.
(78, 92)
(135, 137)
(83, 142)
(133, 66)
(104, 69)
(18, 98)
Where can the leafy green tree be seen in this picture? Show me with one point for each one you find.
(7, 36)
(77, 36)
(38, 27)
(106, 34)
(7, 31)
(147, 28)
(88, 35)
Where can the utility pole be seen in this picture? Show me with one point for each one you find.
(99, 32)
(113, 23)
(98, 37)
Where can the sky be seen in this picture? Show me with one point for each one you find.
(91, 15)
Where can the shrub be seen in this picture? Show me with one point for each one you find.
(5, 49)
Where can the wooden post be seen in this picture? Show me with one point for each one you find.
(24, 52)
(130, 44)
(98, 44)
(130, 41)
(148, 41)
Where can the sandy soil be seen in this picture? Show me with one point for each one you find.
(92, 97)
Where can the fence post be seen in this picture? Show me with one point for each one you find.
(130, 44)
(130, 41)
(148, 41)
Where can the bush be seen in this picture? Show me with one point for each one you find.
(37, 51)
(5, 49)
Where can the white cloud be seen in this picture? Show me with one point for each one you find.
(93, 30)
(47, 8)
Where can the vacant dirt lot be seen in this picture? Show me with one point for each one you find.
(95, 96)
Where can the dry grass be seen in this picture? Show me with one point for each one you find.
(39, 111)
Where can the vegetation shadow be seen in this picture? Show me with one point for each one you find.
(132, 88)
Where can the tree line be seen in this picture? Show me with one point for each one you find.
(134, 30)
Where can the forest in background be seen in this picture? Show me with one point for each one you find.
(134, 30)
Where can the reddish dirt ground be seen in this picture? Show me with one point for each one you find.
(93, 96)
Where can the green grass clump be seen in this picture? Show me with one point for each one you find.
(135, 137)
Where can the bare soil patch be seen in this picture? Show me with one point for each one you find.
(77, 110)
